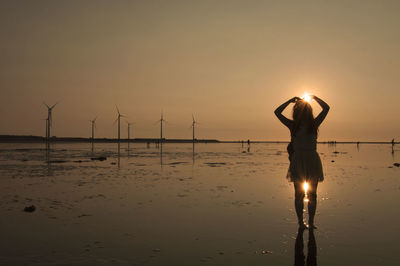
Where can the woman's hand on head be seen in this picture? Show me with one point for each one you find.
(295, 99)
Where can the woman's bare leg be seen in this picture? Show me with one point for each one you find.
(312, 203)
(298, 202)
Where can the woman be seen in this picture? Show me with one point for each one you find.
(305, 164)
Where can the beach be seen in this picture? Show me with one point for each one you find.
(207, 204)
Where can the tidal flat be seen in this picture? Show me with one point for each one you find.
(207, 204)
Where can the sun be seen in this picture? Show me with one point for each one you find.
(306, 97)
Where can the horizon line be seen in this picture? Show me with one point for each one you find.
(34, 138)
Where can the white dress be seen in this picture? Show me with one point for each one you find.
(305, 163)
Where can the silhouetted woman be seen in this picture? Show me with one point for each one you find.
(305, 164)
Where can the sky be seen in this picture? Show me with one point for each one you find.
(230, 63)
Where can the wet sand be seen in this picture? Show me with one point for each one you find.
(221, 205)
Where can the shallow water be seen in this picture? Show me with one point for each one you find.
(219, 204)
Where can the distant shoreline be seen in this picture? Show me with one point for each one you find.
(40, 139)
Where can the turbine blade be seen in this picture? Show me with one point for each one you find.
(54, 105)
(169, 123)
(117, 109)
(115, 121)
(46, 105)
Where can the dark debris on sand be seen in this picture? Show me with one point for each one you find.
(31, 208)
(100, 158)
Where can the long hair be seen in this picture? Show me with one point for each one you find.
(303, 115)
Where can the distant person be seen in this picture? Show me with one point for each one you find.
(305, 163)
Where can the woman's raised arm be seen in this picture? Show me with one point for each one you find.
(278, 112)
(325, 109)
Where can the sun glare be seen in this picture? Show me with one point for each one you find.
(306, 97)
(305, 186)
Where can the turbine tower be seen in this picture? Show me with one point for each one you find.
(194, 122)
(129, 130)
(49, 119)
(93, 122)
(161, 126)
(46, 131)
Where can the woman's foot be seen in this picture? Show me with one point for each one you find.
(302, 226)
(312, 226)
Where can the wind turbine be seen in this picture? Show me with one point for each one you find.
(93, 122)
(129, 130)
(194, 122)
(119, 123)
(161, 126)
(49, 119)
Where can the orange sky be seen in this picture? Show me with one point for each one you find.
(231, 63)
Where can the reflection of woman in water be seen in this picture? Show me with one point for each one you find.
(299, 258)
(305, 164)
